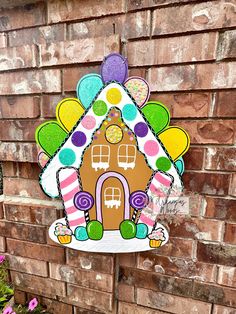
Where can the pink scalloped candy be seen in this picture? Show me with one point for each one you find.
(42, 159)
(139, 89)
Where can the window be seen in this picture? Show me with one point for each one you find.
(112, 197)
(100, 157)
(126, 156)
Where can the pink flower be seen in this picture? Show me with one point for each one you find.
(2, 259)
(8, 310)
(32, 304)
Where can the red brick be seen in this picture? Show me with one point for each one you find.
(18, 130)
(172, 50)
(89, 279)
(23, 231)
(71, 76)
(18, 152)
(207, 183)
(27, 265)
(227, 45)
(129, 26)
(221, 158)
(30, 213)
(2, 244)
(37, 35)
(192, 77)
(209, 131)
(28, 82)
(128, 260)
(230, 233)
(91, 261)
(49, 103)
(39, 285)
(56, 307)
(232, 187)
(89, 299)
(155, 281)
(220, 208)
(185, 105)
(23, 187)
(18, 57)
(125, 308)
(22, 16)
(41, 252)
(139, 71)
(202, 229)
(219, 309)
(176, 247)
(226, 104)
(70, 52)
(227, 276)
(19, 297)
(214, 294)
(126, 293)
(216, 253)
(72, 10)
(194, 158)
(170, 303)
(177, 267)
(194, 17)
(28, 170)
(3, 40)
(19, 107)
(9, 169)
(142, 4)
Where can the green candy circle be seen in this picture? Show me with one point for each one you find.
(163, 164)
(100, 108)
(128, 229)
(67, 156)
(95, 230)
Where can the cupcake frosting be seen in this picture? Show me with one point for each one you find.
(157, 234)
(61, 230)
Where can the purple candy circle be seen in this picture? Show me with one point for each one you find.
(114, 68)
(83, 200)
(78, 139)
(141, 129)
(138, 199)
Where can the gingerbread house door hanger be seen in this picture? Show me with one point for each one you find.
(113, 159)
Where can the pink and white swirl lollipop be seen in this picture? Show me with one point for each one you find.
(83, 201)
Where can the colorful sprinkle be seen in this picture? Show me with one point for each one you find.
(141, 129)
(100, 108)
(78, 139)
(114, 96)
(131, 138)
(88, 122)
(163, 163)
(129, 112)
(151, 148)
(67, 156)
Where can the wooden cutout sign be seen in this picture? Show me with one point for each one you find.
(116, 166)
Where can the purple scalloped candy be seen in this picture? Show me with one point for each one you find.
(114, 68)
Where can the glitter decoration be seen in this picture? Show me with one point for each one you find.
(114, 134)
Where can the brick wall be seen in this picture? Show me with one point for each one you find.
(187, 51)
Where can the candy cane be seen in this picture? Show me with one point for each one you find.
(69, 186)
(158, 190)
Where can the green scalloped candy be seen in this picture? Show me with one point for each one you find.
(50, 136)
(157, 115)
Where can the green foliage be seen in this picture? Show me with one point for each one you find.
(6, 292)
(20, 309)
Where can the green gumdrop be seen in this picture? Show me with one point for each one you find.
(95, 230)
(157, 115)
(142, 231)
(50, 136)
(128, 229)
(81, 234)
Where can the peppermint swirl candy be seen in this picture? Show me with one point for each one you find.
(138, 199)
(83, 200)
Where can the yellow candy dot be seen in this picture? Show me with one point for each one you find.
(114, 96)
(114, 134)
